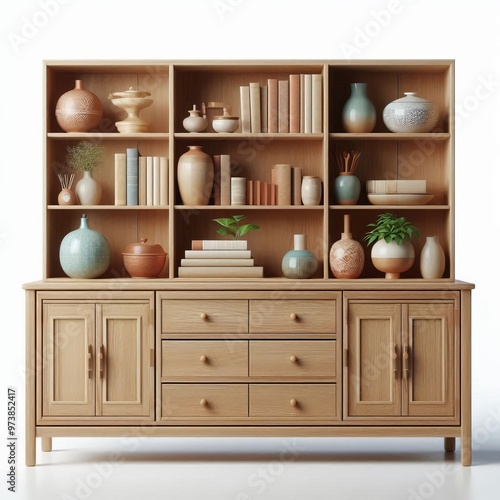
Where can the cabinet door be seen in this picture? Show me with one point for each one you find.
(431, 344)
(124, 360)
(68, 333)
(372, 386)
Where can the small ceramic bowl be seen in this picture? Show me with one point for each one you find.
(226, 123)
(144, 260)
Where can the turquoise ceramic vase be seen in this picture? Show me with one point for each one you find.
(84, 253)
(347, 189)
(358, 113)
(299, 263)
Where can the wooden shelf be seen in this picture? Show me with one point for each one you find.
(255, 137)
(146, 136)
(390, 136)
(106, 207)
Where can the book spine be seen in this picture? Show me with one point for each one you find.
(263, 109)
(238, 191)
(217, 254)
(149, 180)
(216, 188)
(283, 106)
(249, 192)
(120, 179)
(283, 180)
(225, 179)
(272, 105)
(221, 272)
(297, 185)
(302, 102)
(307, 104)
(142, 180)
(245, 109)
(218, 244)
(317, 104)
(163, 181)
(294, 104)
(263, 193)
(132, 176)
(156, 181)
(255, 108)
(217, 262)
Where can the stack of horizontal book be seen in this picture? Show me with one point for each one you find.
(219, 259)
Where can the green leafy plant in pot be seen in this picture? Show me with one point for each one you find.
(231, 226)
(393, 252)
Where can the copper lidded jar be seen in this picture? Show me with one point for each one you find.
(144, 260)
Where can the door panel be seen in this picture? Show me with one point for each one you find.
(372, 383)
(430, 337)
(68, 360)
(124, 340)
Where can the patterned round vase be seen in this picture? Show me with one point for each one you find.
(195, 176)
(78, 110)
(347, 257)
(347, 189)
(358, 113)
(299, 263)
(88, 190)
(432, 259)
(391, 258)
(84, 253)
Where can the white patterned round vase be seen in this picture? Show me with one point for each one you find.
(84, 253)
(410, 114)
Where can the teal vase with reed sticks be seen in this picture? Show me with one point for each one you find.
(347, 189)
(347, 186)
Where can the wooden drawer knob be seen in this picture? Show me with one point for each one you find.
(203, 358)
(294, 402)
(204, 316)
(204, 402)
(294, 317)
(294, 359)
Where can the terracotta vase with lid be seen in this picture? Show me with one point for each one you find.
(347, 257)
(143, 259)
(195, 176)
(78, 110)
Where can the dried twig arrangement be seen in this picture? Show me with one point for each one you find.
(66, 180)
(347, 162)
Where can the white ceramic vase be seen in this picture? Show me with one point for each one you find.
(391, 258)
(88, 190)
(311, 190)
(432, 259)
(195, 176)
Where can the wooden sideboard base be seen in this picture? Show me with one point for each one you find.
(448, 433)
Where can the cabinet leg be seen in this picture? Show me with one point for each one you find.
(30, 449)
(449, 445)
(466, 448)
(46, 444)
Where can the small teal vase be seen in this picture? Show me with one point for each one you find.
(299, 263)
(84, 253)
(347, 189)
(358, 113)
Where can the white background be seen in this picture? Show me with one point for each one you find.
(468, 32)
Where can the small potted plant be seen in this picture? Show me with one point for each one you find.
(392, 252)
(231, 225)
(85, 157)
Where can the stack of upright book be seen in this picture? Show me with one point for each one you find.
(219, 259)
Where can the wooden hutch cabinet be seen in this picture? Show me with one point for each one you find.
(250, 357)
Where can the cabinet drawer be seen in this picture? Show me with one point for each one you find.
(200, 358)
(293, 358)
(293, 400)
(292, 316)
(204, 400)
(198, 316)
